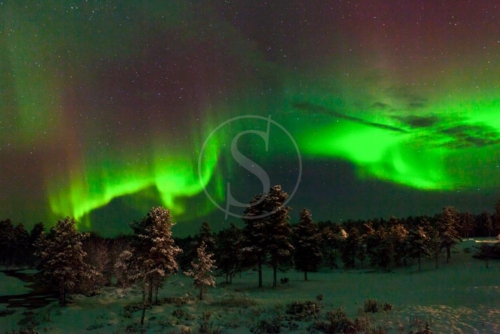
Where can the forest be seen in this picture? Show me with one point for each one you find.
(69, 262)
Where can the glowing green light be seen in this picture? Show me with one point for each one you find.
(456, 150)
(98, 183)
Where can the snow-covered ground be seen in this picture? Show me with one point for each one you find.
(460, 297)
(12, 286)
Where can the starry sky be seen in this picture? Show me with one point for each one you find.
(378, 108)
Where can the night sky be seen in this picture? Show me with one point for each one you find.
(108, 108)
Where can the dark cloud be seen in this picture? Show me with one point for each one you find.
(333, 113)
(464, 136)
(418, 121)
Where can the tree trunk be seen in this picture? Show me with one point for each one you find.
(305, 275)
(143, 315)
(419, 267)
(201, 293)
(150, 293)
(143, 303)
(156, 292)
(436, 259)
(62, 294)
(448, 254)
(274, 276)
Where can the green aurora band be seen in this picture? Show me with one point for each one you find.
(89, 188)
(103, 101)
(446, 156)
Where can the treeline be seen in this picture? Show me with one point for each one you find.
(72, 262)
(17, 244)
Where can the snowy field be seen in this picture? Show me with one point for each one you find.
(460, 297)
(12, 286)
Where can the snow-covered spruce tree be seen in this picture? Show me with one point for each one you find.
(270, 235)
(307, 244)
(124, 270)
(201, 272)
(205, 235)
(154, 251)
(228, 252)
(62, 266)
(447, 228)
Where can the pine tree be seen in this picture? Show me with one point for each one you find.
(398, 235)
(98, 257)
(154, 250)
(379, 246)
(466, 224)
(123, 270)
(279, 230)
(35, 233)
(307, 244)
(207, 236)
(330, 244)
(435, 244)
(486, 223)
(6, 242)
(229, 254)
(37, 229)
(384, 250)
(21, 245)
(361, 252)
(204, 235)
(255, 243)
(417, 243)
(154, 254)
(349, 247)
(447, 229)
(201, 270)
(370, 242)
(267, 231)
(62, 266)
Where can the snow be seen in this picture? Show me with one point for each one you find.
(12, 286)
(460, 297)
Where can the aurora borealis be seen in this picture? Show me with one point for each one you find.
(105, 106)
